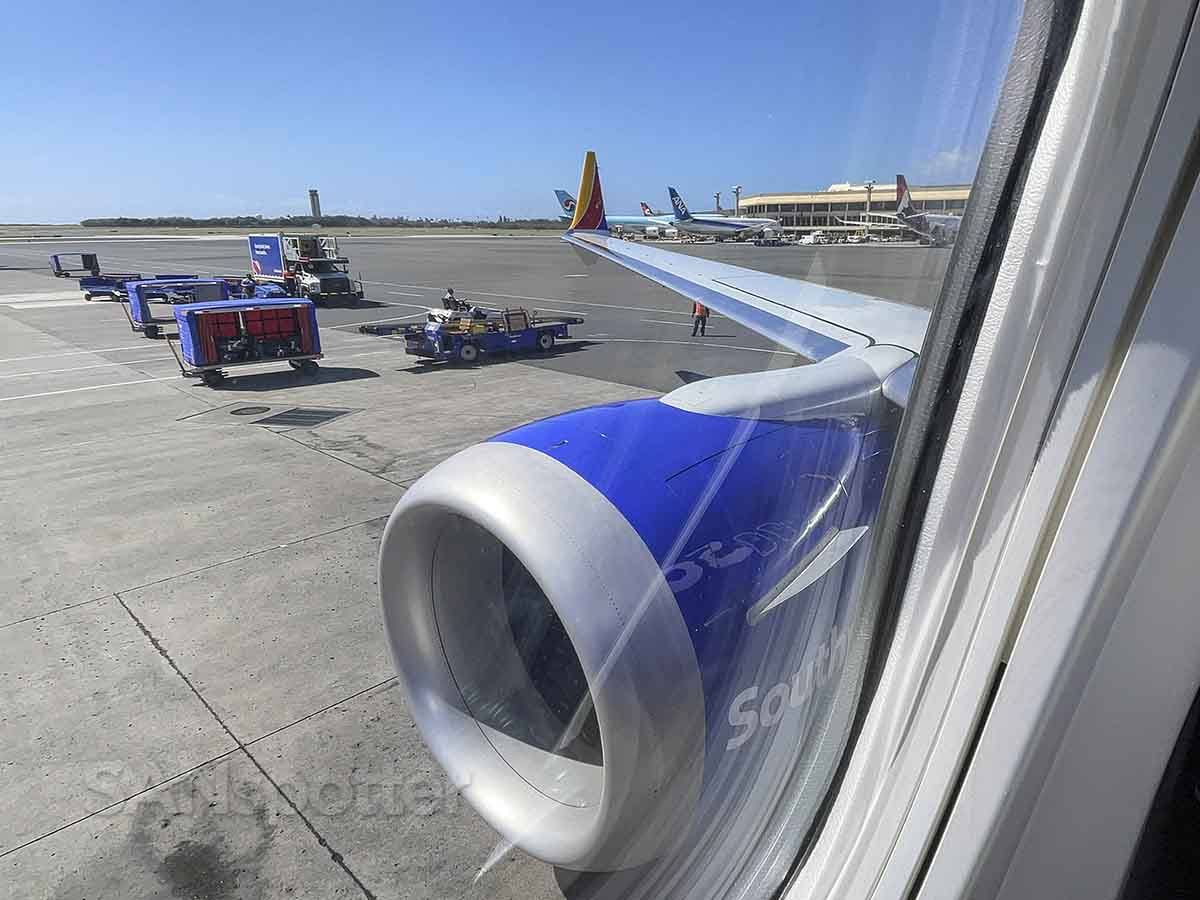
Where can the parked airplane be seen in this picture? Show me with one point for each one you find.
(721, 226)
(940, 229)
(639, 223)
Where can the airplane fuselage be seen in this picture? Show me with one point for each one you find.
(723, 226)
(642, 222)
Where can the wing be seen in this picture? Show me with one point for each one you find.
(811, 319)
(882, 220)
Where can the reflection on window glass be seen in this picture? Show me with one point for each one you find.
(612, 318)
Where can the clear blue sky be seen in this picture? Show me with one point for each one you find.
(476, 109)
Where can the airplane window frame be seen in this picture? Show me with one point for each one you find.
(1014, 410)
(1038, 56)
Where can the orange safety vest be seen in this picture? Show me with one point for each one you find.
(699, 309)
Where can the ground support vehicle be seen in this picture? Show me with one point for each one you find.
(93, 281)
(467, 337)
(184, 289)
(224, 334)
(120, 290)
(62, 265)
(304, 265)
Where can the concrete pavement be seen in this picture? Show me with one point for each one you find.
(196, 698)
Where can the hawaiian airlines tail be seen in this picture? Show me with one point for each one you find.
(904, 204)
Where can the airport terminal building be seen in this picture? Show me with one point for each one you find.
(802, 212)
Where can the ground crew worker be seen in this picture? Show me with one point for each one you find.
(699, 318)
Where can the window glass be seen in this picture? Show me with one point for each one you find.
(402, 500)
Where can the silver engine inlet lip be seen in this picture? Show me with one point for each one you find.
(625, 628)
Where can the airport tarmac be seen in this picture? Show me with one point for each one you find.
(196, 698)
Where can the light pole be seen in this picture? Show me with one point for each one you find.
(717, 197)
(870, 185)
(737, 199)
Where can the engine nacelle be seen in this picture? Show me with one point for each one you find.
(609, 622)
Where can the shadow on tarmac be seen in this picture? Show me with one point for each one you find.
(426, 366)
(288, 378)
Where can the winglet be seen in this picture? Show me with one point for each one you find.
(589, 209)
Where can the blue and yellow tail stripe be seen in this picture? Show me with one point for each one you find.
(589, 208)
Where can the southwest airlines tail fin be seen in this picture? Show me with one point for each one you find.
(589, 210)
(647, 210)
(681, 209)
(567, 202)
(904, 204)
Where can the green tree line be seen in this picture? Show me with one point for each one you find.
(291, 222)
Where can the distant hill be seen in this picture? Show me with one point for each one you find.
(294, 222)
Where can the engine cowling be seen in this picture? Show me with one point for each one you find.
(608, 622)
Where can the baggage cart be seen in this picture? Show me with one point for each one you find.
(225, 334)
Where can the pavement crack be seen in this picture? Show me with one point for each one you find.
(334, 854)
(323, 709)
(284, 434)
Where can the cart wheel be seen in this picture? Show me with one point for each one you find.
(151, 331)
(212, 377)
(545, 341)
(87, 295)
(295, 364)
(309, 367)
(468, 353)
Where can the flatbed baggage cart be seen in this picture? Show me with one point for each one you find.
(107, 284)
(63, 265)
(121, 290)
(225, 334)
(93, 280)
(465, 339)
(186, 289)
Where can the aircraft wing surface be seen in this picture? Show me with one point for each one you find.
(809, 318)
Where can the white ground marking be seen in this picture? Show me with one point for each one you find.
(37, 296)
(575, 276)
(247, 369)
(107, 365)
(94, 387)
(46, 304)
(697, 343)
(426, 287)
(127, 349)
(379, 321)
(564, 312)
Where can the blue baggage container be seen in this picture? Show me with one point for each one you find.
(142, 291)
(227, 333)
